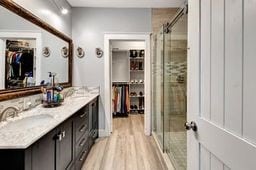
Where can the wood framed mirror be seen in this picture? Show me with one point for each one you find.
(25, 63)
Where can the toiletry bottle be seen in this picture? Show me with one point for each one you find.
(61, 97)
(44, 93)
(49, 83)
(44, 97)
(58, 97)
(55, 99)
(49, 96)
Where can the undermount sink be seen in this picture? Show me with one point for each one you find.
(28, 122)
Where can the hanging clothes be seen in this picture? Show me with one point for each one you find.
(127, 99)
(119, 95)
(120, 99)
(113, 99)
(9, 69)
(19, 64)
(123, 105)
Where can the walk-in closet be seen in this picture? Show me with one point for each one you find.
(127, 77)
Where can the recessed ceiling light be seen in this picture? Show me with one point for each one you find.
(64, 11)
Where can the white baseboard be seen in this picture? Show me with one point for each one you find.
(164, 155)
(103, 133)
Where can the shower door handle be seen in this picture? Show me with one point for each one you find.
(192, 125)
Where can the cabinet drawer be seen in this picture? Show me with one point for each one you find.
(82, 116)
(81, 143)
(81, 130)
(81, 158)
(81, 121)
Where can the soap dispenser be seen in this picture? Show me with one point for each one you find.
(49, 83)
(50, 95)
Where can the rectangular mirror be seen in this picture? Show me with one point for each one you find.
(29, 50)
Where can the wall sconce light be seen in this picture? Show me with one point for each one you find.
(80, 52)
(99, 52)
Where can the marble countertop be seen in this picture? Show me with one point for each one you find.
(15, 134)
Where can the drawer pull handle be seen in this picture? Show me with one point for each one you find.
(82, 115)
(82, 128)
(59, 137)
(63, 134)
(82, 142)
(82, 156)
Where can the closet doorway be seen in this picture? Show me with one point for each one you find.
(127, 78)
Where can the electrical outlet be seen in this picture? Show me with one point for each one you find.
(27, 103)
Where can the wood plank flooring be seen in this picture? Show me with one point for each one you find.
(126, 149)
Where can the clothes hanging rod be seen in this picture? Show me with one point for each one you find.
(19, 49)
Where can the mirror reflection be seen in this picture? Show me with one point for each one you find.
(19, 63)
(28, 53)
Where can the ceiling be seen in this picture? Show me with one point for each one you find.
(126, 3)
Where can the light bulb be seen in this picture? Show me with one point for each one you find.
(64, 11)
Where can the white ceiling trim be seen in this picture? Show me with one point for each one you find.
(126, 3)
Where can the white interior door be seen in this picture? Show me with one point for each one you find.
(222, 84)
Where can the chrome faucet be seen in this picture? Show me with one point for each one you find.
(11, 111)
(68, 93)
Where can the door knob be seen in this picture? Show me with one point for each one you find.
(192, 125)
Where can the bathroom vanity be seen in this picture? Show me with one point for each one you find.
(40, 138)
(50, 138)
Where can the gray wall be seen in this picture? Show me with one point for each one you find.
(88, 28)
(50, 13)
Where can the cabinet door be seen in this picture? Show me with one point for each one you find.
(90, 116)
(64, 146)
(43, 153)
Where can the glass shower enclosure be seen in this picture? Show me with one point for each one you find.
(169, 89)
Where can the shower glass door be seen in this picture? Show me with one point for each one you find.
(169, 92)
(175, 82)
(157, 88)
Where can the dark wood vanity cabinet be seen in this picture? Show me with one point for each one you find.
(81, 133)
(54, 151)
(64, 145)
(64, 148)
(43, 153)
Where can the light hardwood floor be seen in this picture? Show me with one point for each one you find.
(126, 149)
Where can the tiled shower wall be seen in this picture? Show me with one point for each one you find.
(175, 76)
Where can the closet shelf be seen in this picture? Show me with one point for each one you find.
(120, 82)
(138, 58)
(136, 70)
(136, 83)
(119, 50)
(133, 110)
